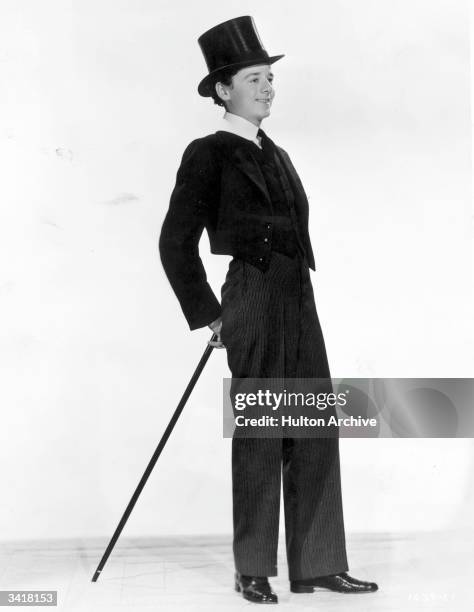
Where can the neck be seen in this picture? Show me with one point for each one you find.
(255, 122)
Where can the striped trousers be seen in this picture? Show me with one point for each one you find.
(270, 328)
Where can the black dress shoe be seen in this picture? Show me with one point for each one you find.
(342, 583)
(255, 588)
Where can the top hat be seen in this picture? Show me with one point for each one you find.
(232, 44)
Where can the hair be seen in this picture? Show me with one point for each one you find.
(225, 77)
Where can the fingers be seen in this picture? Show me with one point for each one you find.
(216, 344)
(216, 325)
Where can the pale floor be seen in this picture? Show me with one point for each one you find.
(414, 572)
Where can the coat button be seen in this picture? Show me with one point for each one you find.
(265, 240)
(260, 259)
(269, 225)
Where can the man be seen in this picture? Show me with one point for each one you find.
(244, 190)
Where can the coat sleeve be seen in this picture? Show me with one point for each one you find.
(195, 194)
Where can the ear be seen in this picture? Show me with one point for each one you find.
(221, 91)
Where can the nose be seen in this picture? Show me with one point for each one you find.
(267, 86)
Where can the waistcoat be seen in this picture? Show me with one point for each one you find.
(286, 237)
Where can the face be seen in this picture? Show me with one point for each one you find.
(251, 93)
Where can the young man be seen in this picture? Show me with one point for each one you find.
(244, 190)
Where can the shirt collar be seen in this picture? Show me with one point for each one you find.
(240, 126)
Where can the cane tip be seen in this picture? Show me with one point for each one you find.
(95, 576)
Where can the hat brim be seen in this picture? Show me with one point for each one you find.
(204, 88)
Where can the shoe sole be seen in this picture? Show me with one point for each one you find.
(313, 589)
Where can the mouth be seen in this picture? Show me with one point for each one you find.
(264, 100)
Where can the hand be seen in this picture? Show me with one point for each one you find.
(216, 327)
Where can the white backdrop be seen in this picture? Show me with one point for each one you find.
(98, 103)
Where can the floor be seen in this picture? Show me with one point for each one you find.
(414, 572)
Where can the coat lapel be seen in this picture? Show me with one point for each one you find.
(246, 163)
(298, 189)
(241, 157)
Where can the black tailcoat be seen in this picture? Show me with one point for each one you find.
(220, 187)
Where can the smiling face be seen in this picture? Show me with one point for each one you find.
(251, 93)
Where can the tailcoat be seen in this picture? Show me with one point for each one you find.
(220, 187)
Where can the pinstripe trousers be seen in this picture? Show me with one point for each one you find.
(270, 328)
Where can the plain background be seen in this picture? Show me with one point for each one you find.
(98, 101)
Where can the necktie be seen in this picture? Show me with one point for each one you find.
(265, 142)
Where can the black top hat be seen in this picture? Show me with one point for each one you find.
(234, 43)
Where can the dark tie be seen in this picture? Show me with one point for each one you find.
(265, 142)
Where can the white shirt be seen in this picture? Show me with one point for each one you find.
(240, 126)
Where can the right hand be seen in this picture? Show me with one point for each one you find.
(216, 327)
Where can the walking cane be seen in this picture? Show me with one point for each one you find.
(154, 459)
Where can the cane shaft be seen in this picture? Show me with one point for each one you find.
(154, 458)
